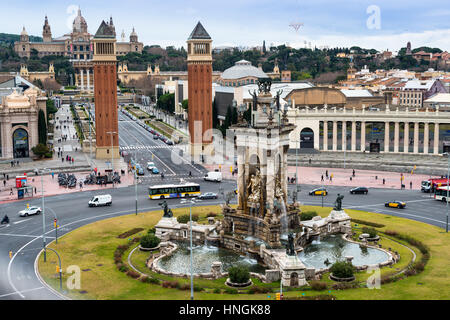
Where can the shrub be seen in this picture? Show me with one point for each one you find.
(185, 218)
(318, 297)
(217, 290)
(133, 274)
(345, 285)
(151, 231)
(368, 223)
(257, 289)
(150, 241)
(197, 288)
(123, 268)
(307, 215)
(171, 284)
(231, 291)
(129, 233)
(342, 269)
(371, 231)
(211, 214)
(318, 285)
(239, 274)
(184, 286)
(154, 280)
(391, 233)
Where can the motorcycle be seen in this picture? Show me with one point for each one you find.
(5, 220)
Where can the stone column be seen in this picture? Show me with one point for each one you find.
(436, 139)
(325, 135)
(416, 137)
(363, 136)
(81, 79)
(334, 135)
(386, 136)
(396, 137)
(344, 135)
(353, 135)
(426, 137)
(406, 138)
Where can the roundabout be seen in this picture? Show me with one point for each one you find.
(92, 248)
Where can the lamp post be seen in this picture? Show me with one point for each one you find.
(59, 269)
(135, 180)
(42, 171)
(90, 135)
(448, 187)
(191, 201)
(112, 153)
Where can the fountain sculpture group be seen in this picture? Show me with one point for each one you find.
(263, 213)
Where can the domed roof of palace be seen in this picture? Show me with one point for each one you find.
(24, 32)
(16, 100)
(243, 69)
(79, 24)
(133, 33)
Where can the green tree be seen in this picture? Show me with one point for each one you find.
(42, 128)
(51, 109)
(40, 150)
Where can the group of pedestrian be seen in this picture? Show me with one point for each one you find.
(291, 180)
(330, 177)
(14, 163)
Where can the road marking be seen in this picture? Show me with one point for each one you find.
(23, 235)
(17, 222)
(12, 293)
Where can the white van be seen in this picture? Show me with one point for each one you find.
(100, 200)
(213, 176)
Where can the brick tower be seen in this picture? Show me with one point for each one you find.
(199, 61)
(105, 87)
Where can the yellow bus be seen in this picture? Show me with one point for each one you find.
(169, 191)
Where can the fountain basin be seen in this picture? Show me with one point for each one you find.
(334, 248)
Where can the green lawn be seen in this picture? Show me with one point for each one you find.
(92, 248)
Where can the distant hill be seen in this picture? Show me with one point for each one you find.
(7, 38)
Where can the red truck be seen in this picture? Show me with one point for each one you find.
(430, 185)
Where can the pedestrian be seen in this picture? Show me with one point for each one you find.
(11, 164)
(7, 177)
(73, 160)
(35, 190)
(309, 160)
(62, 159)
(321, 178)
(353, 172)
(11, 193)
(331, 177)
(384, 180)
(350, 178)
(53, 175)
(81, 185)
(326, 174)
(4, 183)
(410, 184)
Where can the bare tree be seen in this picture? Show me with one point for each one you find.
(51, 85)
(144, 85)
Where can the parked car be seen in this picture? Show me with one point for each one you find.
(318, 192)
(155, 137)
(155, 170)
(100, 200)
(169, 142)
(30, 211)
(395, 204)
(359, 190)
(208, 195)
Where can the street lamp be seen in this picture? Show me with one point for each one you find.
(41, 172)
(191, 201)
(448, 186)
(112, 153)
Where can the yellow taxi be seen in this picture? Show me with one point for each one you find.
(395, 204)
(318, 192)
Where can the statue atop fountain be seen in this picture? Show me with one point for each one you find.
(167, 211)
(338, 203)
(262, 147)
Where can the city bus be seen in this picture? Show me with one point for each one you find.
(441, 194)
(169, 191)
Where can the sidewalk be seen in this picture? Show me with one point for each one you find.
(52, 187)
(341, 177)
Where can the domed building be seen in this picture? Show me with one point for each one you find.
(76, 45)
(242, 73)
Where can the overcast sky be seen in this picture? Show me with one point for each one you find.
(379, 24)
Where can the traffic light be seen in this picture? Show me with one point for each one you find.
(54, 222)
(10, 254)
(57, 269)
(278, 296)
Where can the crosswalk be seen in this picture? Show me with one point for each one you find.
(144, 147)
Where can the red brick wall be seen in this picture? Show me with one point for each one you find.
(200, 99)
(106, 118)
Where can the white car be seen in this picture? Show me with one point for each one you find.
(100, 200)
(30, 211)
(150, 165)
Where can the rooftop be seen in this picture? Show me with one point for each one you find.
(199, 32)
